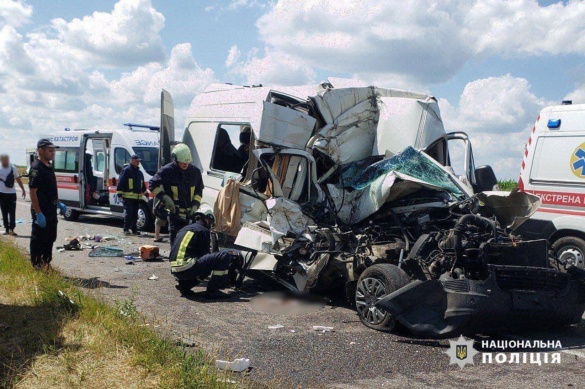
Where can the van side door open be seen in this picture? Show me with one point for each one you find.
(93, 174)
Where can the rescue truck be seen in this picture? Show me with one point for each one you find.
(553, 168)
(88, 163)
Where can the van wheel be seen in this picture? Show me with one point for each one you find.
(71, 215)
(145, 220)
(375, 283)
(570, 251)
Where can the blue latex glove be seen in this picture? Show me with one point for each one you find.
(41, 220)
(62, 207)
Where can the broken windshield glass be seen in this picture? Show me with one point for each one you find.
(409, 162)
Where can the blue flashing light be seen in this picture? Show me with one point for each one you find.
(554, 123)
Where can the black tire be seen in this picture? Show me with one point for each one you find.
(570, 251)
(71, 215)
(145, 218)
(376, 282)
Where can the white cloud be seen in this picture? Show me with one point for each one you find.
(182, 76)
(274, 68)
(14, 12)
(426, 41)
(126, 36)
(233, 56)
(524, 28)
(497, 114)
(56, 79)
(577, 96)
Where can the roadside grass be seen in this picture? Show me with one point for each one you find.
(54, 335)
(508, 185)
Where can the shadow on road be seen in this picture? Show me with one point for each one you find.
(93, 283)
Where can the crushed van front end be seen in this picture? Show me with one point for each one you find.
(511, 298)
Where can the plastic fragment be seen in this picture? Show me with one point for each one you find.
(153, 277)
(322, 328)
(275, 327)
(239, 364)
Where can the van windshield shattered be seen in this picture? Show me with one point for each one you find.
(409, 162)
(149, 156)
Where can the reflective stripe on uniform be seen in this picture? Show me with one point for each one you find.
(219, 273)
(129, 195)
(192, 193)
(130, 183)
(181, 263)
(198, 198)
(157, 190)
(175, 191)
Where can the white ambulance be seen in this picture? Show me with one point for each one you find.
(88, 164)
(553, 168)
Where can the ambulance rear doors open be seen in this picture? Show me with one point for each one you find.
(88, 165)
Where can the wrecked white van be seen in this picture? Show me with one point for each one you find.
(352, 189)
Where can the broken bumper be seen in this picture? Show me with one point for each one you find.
(510, 298)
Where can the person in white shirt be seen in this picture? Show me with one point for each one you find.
(8, 175)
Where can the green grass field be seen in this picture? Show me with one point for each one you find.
(54, 335)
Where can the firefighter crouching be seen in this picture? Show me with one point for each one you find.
(179, 186)
(191, 260)
(130, 189)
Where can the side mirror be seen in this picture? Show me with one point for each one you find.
(485, 179)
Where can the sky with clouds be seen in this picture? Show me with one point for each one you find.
(97, 64)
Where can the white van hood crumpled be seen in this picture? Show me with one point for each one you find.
(353, 125)
(361, 122)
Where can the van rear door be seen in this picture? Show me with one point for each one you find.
(167, 127)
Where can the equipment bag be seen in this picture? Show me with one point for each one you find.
(9, 182)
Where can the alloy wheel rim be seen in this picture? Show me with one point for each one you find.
(368, 293)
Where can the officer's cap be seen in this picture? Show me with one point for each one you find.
(45, 143)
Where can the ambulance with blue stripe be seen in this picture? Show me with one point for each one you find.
(88, 164)
(553, 168)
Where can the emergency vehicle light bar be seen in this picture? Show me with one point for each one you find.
(131, 125)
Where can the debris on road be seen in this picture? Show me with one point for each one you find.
(72, 244)
(237, 365)
(149, 252)
(103, 251)
(153, 277)
(323, 329)
(275, 327)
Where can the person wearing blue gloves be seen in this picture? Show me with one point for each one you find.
(45, 202)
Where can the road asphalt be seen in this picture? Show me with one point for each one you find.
(351, 356)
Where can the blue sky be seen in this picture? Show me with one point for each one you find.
(492, 65)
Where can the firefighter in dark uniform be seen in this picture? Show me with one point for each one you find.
(179, 186)
(191, 260)
(45, 202)
(130, 189)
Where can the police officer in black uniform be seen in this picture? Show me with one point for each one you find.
(45, 202)
(179, 186)
(130, 189)
(191, 260)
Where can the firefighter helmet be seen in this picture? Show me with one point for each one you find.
(181, 153)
